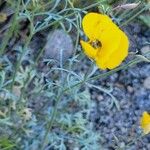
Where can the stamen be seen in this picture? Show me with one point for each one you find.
(96, 44)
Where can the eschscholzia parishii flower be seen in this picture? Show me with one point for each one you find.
(108, 44)
(145, 122)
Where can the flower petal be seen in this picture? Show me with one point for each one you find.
(110, 40)
(88, 49)
(120, 53)
(94, 23)
(145, 123)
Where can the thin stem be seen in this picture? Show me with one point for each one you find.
(120, 9)
(124, 67)
(131, 63)
(134, 16)
(39, 55)
(69, 15)
(11, 29)
(78, 28)
(50, 123)
(19, 62)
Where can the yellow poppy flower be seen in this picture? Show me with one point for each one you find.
(107, 45)
(145, 122)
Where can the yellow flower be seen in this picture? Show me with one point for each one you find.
(145, 122)
(107, 45)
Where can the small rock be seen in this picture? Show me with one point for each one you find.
(17, 91)
(59, 46)
(145, 49)
(130, 89)
(76, 148)
(122, 145)
(147, 83)
(100, 97)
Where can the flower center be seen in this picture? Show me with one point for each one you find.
(96, 44)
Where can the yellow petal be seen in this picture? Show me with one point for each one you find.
(100, 63)
(110, 40)
(145, 123)
(120, 53)
(94, 23)
(88, 49)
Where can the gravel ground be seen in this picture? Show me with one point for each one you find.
(132, 90)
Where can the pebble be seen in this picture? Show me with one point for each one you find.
(130, 89)
(122, 145)
(59, 46)
(147, 83)
(100, 97)
(76, 148)
(145, 49)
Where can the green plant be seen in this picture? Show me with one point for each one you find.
(62, 121)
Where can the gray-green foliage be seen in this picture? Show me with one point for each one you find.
(47, 110)
(146, 19)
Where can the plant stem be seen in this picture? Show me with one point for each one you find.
(19, 61)
(50, 123)
(131, 63)
(69, 15)
(11, 29)
(18, 65)
(134, 16)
